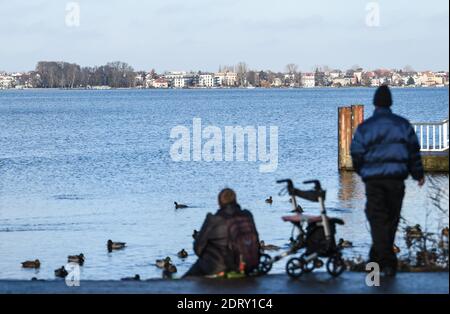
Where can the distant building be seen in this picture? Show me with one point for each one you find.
(428, 79)
(180, 82)
(353, 80)
(358, 76)
(399, 79)
(289, 76)
(174, 74)
(342, 81)
(277, 82)
(289, 79)
(376, 82)
(206, 80)
(160, 83)
(225, 78)
(442, 77)
(179, 79)
(335, 74)
(308, 80)
(139, 80)
(7, 81)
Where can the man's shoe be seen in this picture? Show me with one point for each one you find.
(389, 271)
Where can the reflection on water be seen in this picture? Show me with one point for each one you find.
(351, 190)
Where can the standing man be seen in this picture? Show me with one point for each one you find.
(385, 150)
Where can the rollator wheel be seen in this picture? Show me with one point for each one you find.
(294, 267)
(335, 265)
(307, 266)
(265, 264)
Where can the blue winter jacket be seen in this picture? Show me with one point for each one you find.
(386, 146)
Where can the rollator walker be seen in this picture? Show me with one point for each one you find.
(314, 236)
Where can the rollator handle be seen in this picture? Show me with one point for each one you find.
(312, 195)
(290, 184)
(316, 183)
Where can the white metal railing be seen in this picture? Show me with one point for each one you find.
(433, 136)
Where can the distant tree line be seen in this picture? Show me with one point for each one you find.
(51, 74)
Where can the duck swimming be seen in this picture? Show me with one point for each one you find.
(169, 270)
(134, 278)
(78, 259)
(444, 232)
(115, 245)
(161, 263)
(344, 243)
(182, 254)
(268, 247)
(269, 200)
(31, 264)
(178, 206)
(61, 272)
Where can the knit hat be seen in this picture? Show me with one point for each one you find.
(383, 97)
(227, 196)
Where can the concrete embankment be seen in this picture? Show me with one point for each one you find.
(349, 282)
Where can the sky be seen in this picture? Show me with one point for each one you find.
(203, 34)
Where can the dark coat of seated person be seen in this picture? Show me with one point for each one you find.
(211, 243)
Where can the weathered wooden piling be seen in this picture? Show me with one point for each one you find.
(348, 120)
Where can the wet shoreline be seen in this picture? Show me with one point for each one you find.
(349, 282)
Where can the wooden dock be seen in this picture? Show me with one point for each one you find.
(434, 144)
(435, 161)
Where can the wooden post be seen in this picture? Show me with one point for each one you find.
(357, 116)
(348, 120)
(344, 136)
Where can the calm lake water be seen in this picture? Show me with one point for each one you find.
(80, 167)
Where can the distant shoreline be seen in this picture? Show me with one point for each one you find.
(225, 88)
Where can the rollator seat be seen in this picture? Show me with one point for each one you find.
(301, 218)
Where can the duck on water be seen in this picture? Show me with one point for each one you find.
(115, 245)
(179, 206)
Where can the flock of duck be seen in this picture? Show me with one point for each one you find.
(77, 259)
(166, 264)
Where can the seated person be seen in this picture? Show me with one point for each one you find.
(228, 240)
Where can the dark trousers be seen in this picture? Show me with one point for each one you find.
(384, 203)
